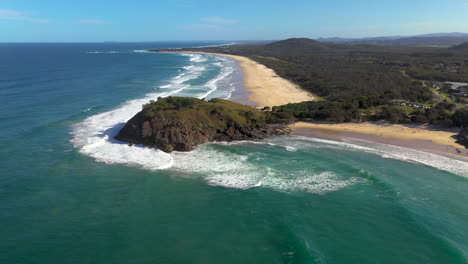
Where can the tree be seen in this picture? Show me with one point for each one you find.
(460, 117)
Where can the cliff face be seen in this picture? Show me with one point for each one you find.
(179, 123)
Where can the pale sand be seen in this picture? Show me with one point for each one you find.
(385, 131)
(265, 86)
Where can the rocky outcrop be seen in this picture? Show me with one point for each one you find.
(179, 123)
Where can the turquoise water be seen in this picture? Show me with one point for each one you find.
(70, 194)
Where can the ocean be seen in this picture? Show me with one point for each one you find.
(70, 193)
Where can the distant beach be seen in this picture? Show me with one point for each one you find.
(265, 87)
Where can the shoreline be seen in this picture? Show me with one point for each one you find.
(264, 86)
(408, 136)
(258, 80)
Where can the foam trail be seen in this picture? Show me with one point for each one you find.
(212, 84)
(385, 151)
(102, 52)
(225, 169)
(198, 58)
(243, 171)
(95, 137)
(226, 70)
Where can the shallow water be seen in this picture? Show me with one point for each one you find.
(69, 193)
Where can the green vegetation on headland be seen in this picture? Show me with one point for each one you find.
(367, 82)
(180, 123)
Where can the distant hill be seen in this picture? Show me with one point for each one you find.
(297, 44)
(436, 39)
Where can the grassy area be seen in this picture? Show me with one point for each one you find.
(217, 113)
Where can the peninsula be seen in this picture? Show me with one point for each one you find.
(181, 123)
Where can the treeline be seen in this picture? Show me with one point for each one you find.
(373, 108)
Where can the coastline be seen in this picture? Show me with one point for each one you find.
(407, 136)
(264, 86)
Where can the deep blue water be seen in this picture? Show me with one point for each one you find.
(70, 194)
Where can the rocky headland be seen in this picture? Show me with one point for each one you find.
(181, 123)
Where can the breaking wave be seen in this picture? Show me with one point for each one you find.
(94, 136)
(237, 171)
(385, 151)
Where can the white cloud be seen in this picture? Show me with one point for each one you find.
(220, 20)
(6, 14)
(92, 21)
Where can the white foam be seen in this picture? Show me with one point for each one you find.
(308, 181)
(198, 58)
(225, 72)
(218, 45)
(385, 151)
(102, 52)
(225, 169)
(95, 135)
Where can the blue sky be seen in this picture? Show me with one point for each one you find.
(118, 20)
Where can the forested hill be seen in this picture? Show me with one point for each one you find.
(428, 40)
(296, 45)
(344, 71)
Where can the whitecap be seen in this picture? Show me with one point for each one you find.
(198, 58)
(94, 136)
(383, 150)
(225, 169)
(225, 72)
(102, 52)
(309, 181)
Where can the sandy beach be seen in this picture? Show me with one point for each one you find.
(409, 136)
(265, 87)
